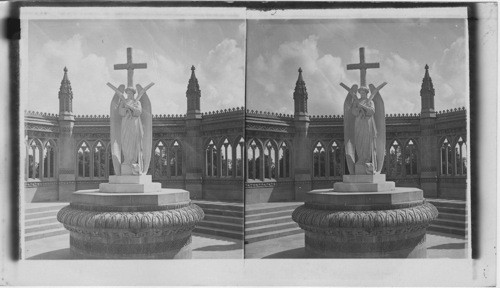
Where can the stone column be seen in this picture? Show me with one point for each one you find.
(194, 156)
(67, 157)
(301, 158)
(428, 154)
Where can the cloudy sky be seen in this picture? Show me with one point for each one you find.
(277, 48)
(90, 48)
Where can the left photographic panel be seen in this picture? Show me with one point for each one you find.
(133, 134)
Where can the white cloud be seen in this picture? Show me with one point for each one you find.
(449, 76)
(222, 77)
(86, 73)
(273, 79)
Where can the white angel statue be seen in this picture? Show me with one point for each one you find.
(364, 130)
(131, 130)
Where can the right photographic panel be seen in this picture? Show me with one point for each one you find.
(357, 134)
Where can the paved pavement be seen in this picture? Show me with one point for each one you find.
(203, 247)
(292, 247)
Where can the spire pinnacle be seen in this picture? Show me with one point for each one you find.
(65, 94)
(427, 81)
(193, 93)
(300, 95)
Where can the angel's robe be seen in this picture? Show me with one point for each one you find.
(131, 132)
(365, 132)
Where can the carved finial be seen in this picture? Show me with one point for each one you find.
(192, 68)
(65, 69)
(300, 95)
(426, 67)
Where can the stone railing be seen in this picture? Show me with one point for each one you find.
(169, 116)
(327, 116)
(223, 112)
(40, 114)
(453, 110)
(403, 115)
(268, 114)
(91, 117)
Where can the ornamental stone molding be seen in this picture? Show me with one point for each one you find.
(371, 223)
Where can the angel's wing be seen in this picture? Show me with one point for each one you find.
(349, 119)
(379, 118)
(147, 124)
(116, 131)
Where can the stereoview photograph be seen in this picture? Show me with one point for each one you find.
(133, 138)
(357, 138)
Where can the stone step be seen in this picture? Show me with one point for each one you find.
(447, 203)
(221, 212)
(456, 211)
(40, 221)
(270, 228)
(55, 207)
(41, 215)
(45, 234)
(225, 219)
(450, 223)
(220, 205)
(268, 215)
(270, 221)
(44, 227)
(221, 225)
(219, 232)
(271, 208)
(451, 216)
(272, 235)
(447, 230)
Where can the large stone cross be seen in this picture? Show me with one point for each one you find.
(362, 66)
(129, 66)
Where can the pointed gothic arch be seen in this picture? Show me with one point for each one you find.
(254, 161)
(175, 159)
(49, 159)
(319, 159)
(99, 159)
(284, 160)
(83, 159)
(446, 157)
(334, 159)
(460, 156)
(239, 155)
(160, 160)
(411, 157)
(269, 157)
(394, 158)
(226, 158)
(211, 159)
(34, 158)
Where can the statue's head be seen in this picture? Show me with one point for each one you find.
(130, 92)
(363, 91)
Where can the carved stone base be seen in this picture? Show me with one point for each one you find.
(130, 228)
(365, 225)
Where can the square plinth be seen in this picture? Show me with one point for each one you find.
(364, 187)
(130, 179)
(377, 178)
(163, 197)
(400, 195)
(129, 188)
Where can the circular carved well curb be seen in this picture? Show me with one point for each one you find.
(365, 223)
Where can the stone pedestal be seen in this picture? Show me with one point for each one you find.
(356, 222)
(130, 218)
